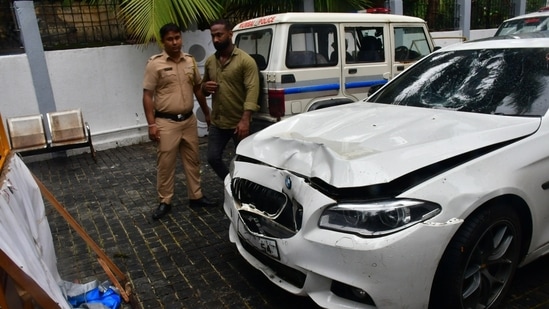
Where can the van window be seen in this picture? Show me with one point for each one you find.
(366, 44)
(411, 43)
(310, 45)
(257, 44)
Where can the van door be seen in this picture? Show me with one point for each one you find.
(367, 65)
(257, 43)
(309, 78)
(410, 42)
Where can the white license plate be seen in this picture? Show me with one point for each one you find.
(265, 245)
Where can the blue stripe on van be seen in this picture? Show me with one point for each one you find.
(366, 83)
(325, 87)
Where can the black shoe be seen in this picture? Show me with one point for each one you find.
(202, 202)
(162, 210)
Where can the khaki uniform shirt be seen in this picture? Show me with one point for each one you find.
(172, 82)
(238, 90)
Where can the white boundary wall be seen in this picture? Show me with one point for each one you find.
(105, 83)
(445, 38)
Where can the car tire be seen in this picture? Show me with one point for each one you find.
(481, 259)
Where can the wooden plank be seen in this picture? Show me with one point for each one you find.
(79, 230)
(114, 280)
(23, 280)
(113, 272)
(4, 144)
(3, 285)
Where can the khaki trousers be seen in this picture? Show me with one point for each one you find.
(177, 137)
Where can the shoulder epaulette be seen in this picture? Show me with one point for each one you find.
(154, 56)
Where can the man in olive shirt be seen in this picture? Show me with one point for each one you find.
(232, 78)
(170, 80)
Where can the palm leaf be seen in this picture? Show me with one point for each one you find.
(144, 18)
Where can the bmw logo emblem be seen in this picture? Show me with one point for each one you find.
(288, 182)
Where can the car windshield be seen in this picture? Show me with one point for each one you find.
(530, 24)
(490, 81)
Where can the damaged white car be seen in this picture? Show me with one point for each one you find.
(427, 195)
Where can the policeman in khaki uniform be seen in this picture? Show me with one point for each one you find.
(170, 80)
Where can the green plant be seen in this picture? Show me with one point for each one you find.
(143, 18)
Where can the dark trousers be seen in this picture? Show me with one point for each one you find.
(217, 141)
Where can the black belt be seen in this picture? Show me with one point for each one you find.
(174, 117)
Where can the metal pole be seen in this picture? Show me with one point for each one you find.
(520, 8)
(308, 6)
(30, 36)
(396, 7)
(465, 17)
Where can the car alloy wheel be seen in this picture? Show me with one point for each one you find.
(480, 261)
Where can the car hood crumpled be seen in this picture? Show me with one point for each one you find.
(362, 144)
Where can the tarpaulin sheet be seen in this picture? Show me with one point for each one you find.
(25, 234)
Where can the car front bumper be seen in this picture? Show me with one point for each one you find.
(396, 270)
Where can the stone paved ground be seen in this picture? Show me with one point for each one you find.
(184, 260)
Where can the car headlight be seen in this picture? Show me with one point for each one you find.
(377, 218)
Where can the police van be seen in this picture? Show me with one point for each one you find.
(310, 61)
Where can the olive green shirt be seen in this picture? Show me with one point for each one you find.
(238, 87)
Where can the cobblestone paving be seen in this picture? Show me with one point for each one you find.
(184, 260)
